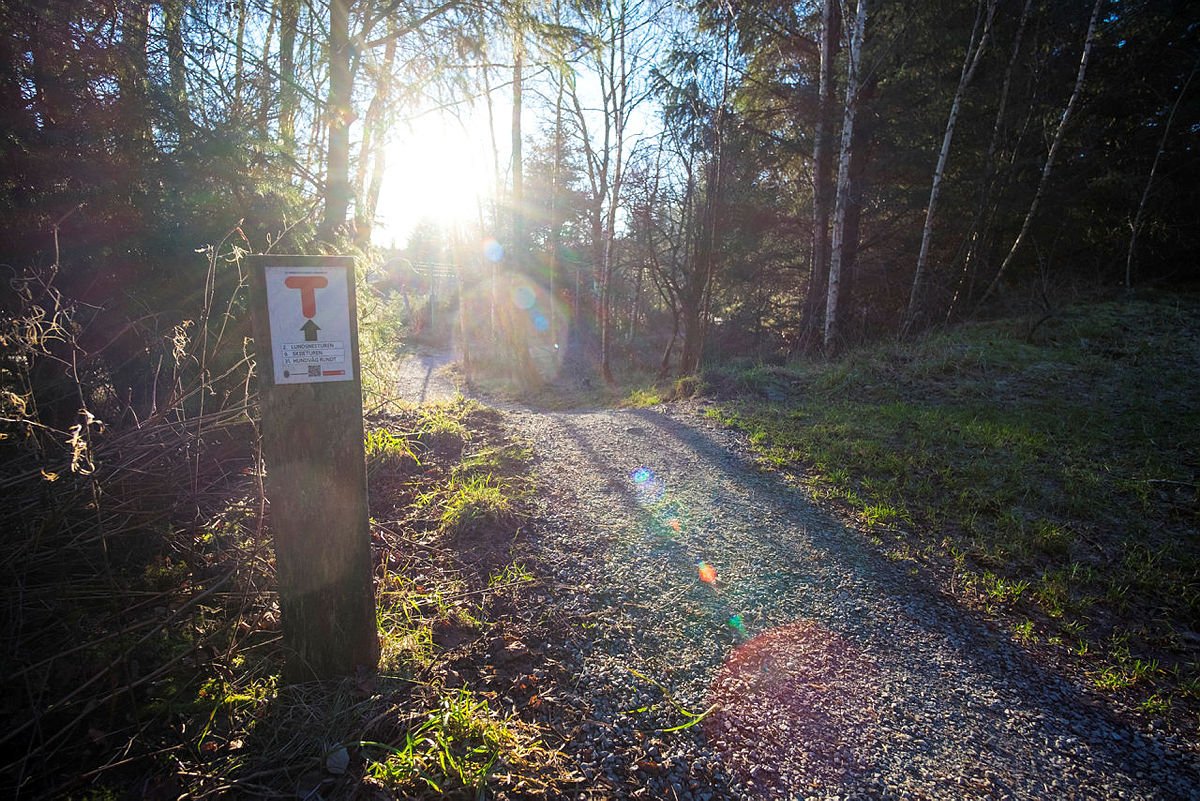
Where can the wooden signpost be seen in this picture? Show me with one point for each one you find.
(310, 390)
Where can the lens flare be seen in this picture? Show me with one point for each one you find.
(795, 706)
(493, 250)
(675, 524)
(543, 320)
(708, 573)
(736, 622)
(523, 297)
(641, 475)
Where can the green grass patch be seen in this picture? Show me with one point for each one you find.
(506, 459)
(457, 747)
(390, 450)
(513, 573)
(477, 502)
(1056, 470)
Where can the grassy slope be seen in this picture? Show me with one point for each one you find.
(188, 631)
(1051, 473)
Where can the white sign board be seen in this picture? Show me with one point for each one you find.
(309, 313)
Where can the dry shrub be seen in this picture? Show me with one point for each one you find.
(132, 547)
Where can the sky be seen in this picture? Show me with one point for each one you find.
(437, 168)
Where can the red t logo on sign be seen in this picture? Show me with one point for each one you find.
(307, 284)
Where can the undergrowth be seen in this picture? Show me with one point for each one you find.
(1053, 468)
(140, 645)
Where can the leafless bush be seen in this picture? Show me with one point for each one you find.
(123, 529)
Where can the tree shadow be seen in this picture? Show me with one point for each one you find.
(887, 613)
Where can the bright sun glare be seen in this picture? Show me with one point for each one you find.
(437, 170)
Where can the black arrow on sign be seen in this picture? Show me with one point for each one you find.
(310, 330)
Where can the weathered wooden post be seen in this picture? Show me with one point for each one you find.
(310, 391)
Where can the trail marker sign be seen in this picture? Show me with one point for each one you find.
(310, 392)
(309, 310)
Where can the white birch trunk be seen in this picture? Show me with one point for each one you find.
(843, 180)
(822, 168)
(1058, 137)
(981, 221)
(974, 55)
(1162, 144)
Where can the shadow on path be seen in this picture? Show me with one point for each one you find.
(1026, 716)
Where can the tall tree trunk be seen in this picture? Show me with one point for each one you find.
(664, 366)
(1162, 145)
(975, 51)
(371, 199)
(714, 227)
(851, 264)
(696, 299)
(239, 52)
(289, 19)
(619, 76)
(134, 87)
(555, 184)
(177, 69)
(268, 97)
(831, 33)
(1049, 165)
(497, 184)
(523, 370)
(635, 310)
(339, 109)
(979, 225)
(699, 305)
(843, 181)
(518, 167)
(689, 357)
(372, 154)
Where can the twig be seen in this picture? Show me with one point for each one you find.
(63, 702)
(1170, 481)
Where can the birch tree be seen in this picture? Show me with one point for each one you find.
(980, 222)
(986, 10)
(1072, 103)
(1136, 225)
(625, 37)
(831, 33)
(855, 35)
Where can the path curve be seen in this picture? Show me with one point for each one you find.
(687, 579)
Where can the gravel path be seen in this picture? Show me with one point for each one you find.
(688, 580)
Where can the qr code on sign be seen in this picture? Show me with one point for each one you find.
(314, 371)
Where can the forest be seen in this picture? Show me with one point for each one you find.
(659, 187)
(755, 179)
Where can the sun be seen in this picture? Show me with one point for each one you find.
(438, 170)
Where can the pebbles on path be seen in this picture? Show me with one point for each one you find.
(825, 670)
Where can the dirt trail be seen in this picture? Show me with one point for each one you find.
(421, 378)
(686, 579)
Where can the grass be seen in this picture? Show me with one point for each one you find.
(1055, 472)
(478, 501)
(386, 449)
(404, 612)
(512, 573)
(192, 703)
(457, 747)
